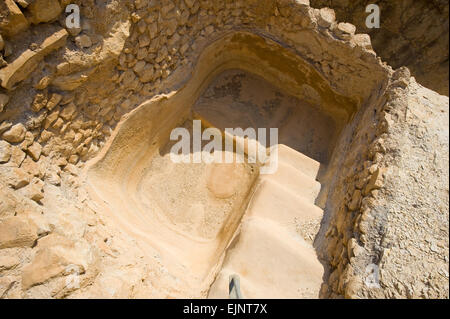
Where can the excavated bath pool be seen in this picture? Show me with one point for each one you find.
(209, 221)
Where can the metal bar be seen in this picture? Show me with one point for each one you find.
(234, 287)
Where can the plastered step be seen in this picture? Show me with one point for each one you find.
(273, 202)
(303, 163)
(286, 154)
(271, 263)
(241, 144)
(294, 180)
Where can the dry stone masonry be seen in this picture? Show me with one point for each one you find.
(87, 190)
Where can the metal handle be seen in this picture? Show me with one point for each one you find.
(234, 287)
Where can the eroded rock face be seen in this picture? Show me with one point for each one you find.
(359, 142)
(412, 33)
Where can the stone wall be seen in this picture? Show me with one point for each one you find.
(65, 90)
(376, 216)
(413, 33)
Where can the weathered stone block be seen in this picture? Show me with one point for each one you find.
(27, 62)
(12, 20)
(17, 232)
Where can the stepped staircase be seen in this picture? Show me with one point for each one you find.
(270, 255)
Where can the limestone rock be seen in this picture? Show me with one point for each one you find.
(68, 112)
(34, 151)
(45, 136)
(139, 4)
(3, 101)
(25, 64)
(34, 190)
(73, 159)
(44, 10)
(363, 40)
(40, 100)
(5, 152)
(6, 284)
(24, 3)
(421, 46)
(51, 118)
(356, 197)
(33, 168)
(189, 3)
(12, 20)
(53, 178)
(28, 140)
(18, 178)
(55, 254)
(140, 81)
(8, 262)
(17, 232)
(54, 101)
(15, 134)
(2, 43)
(326, 17)
(147, 74)
(375, 182)
(72, 81)
(83, 41)
(345, 30)
(17, 156)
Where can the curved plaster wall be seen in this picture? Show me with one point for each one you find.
(122, 176)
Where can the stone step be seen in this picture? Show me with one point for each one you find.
(303, 163)
(262, 247)
(281, 205)
(295, 181)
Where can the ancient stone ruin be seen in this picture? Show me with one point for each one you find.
(93, 206)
